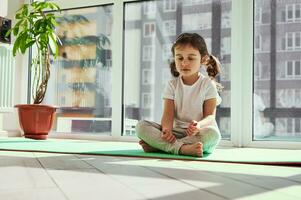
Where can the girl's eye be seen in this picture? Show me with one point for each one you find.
(190, 58)
(179, 58)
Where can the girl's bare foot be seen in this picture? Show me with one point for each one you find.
(147, 148)
(195, 149)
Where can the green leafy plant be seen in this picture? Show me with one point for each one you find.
(35, 28)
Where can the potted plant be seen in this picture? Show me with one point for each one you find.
(35, 28)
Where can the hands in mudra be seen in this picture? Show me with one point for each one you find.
(168, 136)
(192, 129)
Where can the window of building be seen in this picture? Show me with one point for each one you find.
(197, 21)
(146, 100)
(226, 20)
(289, 12)
(147, 77)
(169, 28)
(288, 98)
(148, 53)
(166, 51)
(81, 84)
(149, 29)
(293, 12)
(226, 46)
(293, 69)
(225, 75)
(169, 5)
(149, 8)
(280, 64)
(289, 40)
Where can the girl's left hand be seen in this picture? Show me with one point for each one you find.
(192, 128)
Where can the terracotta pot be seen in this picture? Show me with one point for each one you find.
(36, 120)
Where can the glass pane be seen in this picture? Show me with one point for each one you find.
(80, 82)
(148, 38)
(277, 106)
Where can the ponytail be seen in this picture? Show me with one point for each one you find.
(213, 69)
(173, 69)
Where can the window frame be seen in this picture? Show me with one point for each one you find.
(241, 77)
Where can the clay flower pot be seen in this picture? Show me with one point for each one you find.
(36, 120)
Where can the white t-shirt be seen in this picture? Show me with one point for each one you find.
(189, 99)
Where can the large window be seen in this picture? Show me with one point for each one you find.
(80, 82)
(277, 80)
(146, 73)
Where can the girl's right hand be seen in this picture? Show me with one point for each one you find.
(168, 136)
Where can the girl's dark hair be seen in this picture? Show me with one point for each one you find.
(196, 41)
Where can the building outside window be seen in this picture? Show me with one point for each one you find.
(81, 82)
(293, 69)
(145, 101)
(170, 5)
(293, 12)
(166, 51)
(169, 28)
(149, 29)
(147, 77)
(148, 53)
(149, 8)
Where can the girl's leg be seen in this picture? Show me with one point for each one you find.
(209, 137)
(150, 133)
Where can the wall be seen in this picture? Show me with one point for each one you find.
(10, 120)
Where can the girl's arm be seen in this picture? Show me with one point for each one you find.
(209, 110)
(209, 107)
(168, 115)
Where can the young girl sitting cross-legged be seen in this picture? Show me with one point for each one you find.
(188, 125)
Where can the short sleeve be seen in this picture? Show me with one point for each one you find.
(211, 92)
(169, 91)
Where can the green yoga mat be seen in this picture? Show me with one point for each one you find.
(132, 149)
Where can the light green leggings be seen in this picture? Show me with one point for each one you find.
(150, 132)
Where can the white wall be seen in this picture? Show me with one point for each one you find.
(10, 120)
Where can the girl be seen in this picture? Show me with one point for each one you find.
(188, 125)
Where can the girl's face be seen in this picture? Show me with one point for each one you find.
(188, 60)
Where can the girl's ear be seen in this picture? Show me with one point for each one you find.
(204, 59)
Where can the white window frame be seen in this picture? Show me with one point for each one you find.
(147, 53)
(286, 69)
(144, 29)
(149, 7)
(169, 27)
(288, 8)
(166, 51)
(147, 80)
(293, 75)
(170, 3)
(241, 77)
(149, 95)
(293, 8)
(289, 35)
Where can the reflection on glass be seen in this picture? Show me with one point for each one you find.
(81, 77)
(150, 29)
(277, 80)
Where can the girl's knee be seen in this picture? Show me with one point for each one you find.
(211, 133)
(141, 128)
(210, 139)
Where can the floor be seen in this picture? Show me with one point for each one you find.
(35, 176)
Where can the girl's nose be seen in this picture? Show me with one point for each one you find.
(184, 62)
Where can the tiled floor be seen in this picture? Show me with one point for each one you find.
(31, 176)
